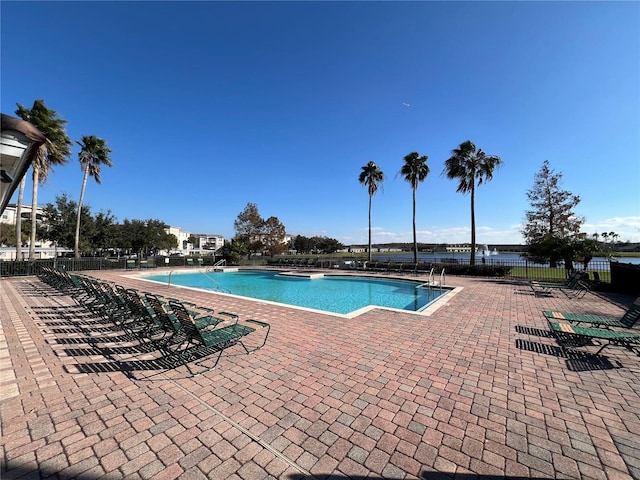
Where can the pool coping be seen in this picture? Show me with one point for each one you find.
(426, 311)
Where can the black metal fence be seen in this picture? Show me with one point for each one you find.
(517, 269)
(21, 268)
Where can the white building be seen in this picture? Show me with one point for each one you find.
(459, 248)
(205, 242)
(208, 241)
(43, 248)
(183, 241)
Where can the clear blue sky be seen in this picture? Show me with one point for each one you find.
(210, 105)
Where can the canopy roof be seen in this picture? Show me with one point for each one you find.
(19, 143)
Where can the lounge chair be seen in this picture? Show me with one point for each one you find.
(166, 315)
(575, 335)
(573, 287)
(628, 320)
(219, 338)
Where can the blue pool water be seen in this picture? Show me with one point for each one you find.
(337, 294)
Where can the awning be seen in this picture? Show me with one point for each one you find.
(19, 145)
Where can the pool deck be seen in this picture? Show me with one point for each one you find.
(476, 390)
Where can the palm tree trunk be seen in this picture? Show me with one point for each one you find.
(370, 196)
(19, 256)
(76, 248)
(472, 260)
(34, 213)
(415, 240)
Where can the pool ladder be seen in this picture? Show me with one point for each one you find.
(433, 283)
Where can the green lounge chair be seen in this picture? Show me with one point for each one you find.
(576, 335)
(628, 320)
(167, 316)
(219, 338)
(572, 288)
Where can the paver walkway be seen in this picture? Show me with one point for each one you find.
(476, 390)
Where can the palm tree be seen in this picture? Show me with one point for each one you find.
(371, 176)
(469, 166)
(93, 153)
(54, 151)
(19, 256)
(414, 171)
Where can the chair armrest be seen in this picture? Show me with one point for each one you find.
(258, 322)
(229, 314)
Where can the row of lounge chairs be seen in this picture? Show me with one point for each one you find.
(576, 286)
(179, 331)
(360, 265)
(572, 329)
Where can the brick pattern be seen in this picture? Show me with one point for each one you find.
(478, 388)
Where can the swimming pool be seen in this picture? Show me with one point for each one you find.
(332, 293)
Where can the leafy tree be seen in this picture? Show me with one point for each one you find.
(7, 234)
(258, 235)
(233, 251)
(273, 233)
(158, 238)
(469, 166)
(55, 151)
(248, 227)
(93, 154)
(58, 219)
(371, 177)
(585, 248)
(551, 222)
(147, 236)
(133, 235)
(414, 171)
(105, 231)
(327, 245)
(193, 240)
(302, 244)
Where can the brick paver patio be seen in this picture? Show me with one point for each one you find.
(478, 389)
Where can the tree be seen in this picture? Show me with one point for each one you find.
(273, 233)
(93, 154)
(302, 244)
(470, 166)
(58, 217)
(371, 177)
(551, 220)
(7, 234)
(414, 171)
(133, 235)
(233, 251)
(249, 227)
(157, 238)
(326, 245)
(55, 151)
(257, 234)
(18, 236)
(105, 231)
(146, 236)
(193, 240)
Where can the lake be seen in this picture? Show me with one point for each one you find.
(506, 258)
